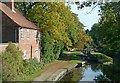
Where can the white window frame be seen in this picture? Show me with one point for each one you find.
(28, 34)
(36, 53)
(35, 34)
(21, 34)
(25, 55)
(39, 35)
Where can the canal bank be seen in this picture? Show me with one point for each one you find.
(61, 72)
(55, 71)
(82, 74)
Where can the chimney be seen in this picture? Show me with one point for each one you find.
(10, 4)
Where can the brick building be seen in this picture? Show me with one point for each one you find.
(20, 31)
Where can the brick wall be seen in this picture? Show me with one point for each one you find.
(4, 45)
(29, 45)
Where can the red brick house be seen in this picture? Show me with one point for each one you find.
(17, 29)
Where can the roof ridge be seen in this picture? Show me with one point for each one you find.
(18, 17)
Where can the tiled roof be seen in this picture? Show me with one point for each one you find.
(17, 17)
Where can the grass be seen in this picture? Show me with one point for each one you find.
(98, 53)
(102, 57)
(39, 72)
(69, 56)
(75, 61)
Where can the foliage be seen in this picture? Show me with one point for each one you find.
(61, 29)
(102, 57)
(31, 66)
(111, 72)
(106, 34)
(90, 3)
(50, 50)
(13, 66)
(95, 67)
(0, 68)
(73, 57)
(74, 75)
(102, 79)
(12, 63)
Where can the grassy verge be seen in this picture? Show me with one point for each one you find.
(76, 61)
(102, 57)
(73, 57)
(39, 72)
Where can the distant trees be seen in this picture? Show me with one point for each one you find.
(106, 34)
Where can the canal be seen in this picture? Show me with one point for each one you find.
(94, 73)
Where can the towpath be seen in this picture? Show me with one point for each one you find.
(52, 69)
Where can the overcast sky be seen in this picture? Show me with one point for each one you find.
(87, 19)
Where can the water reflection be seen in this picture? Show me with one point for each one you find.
(82, 74)
(89, 74)
(111, 74)
(74, 75)
(96, 67)
(95, 72)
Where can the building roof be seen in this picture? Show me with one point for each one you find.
(17, 17)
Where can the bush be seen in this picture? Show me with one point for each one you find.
(31, 66)
(12, 63)
(50, 50)
(15, 68)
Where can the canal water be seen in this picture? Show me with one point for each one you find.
(94, 73)
(89, 74)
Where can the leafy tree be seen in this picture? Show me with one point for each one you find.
(106, 33)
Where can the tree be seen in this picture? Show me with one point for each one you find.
(106, 32)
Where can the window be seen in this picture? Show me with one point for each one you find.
(21, 34)
(35, 34)
(36, 53)
(28, 34)
(25, 55)
(39, 35)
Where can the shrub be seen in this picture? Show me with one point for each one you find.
(15, 68)
(50, 50)
(12, 63)
(31, 66)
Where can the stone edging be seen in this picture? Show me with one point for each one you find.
(60, 73)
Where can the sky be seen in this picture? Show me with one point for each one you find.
(87, 19)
